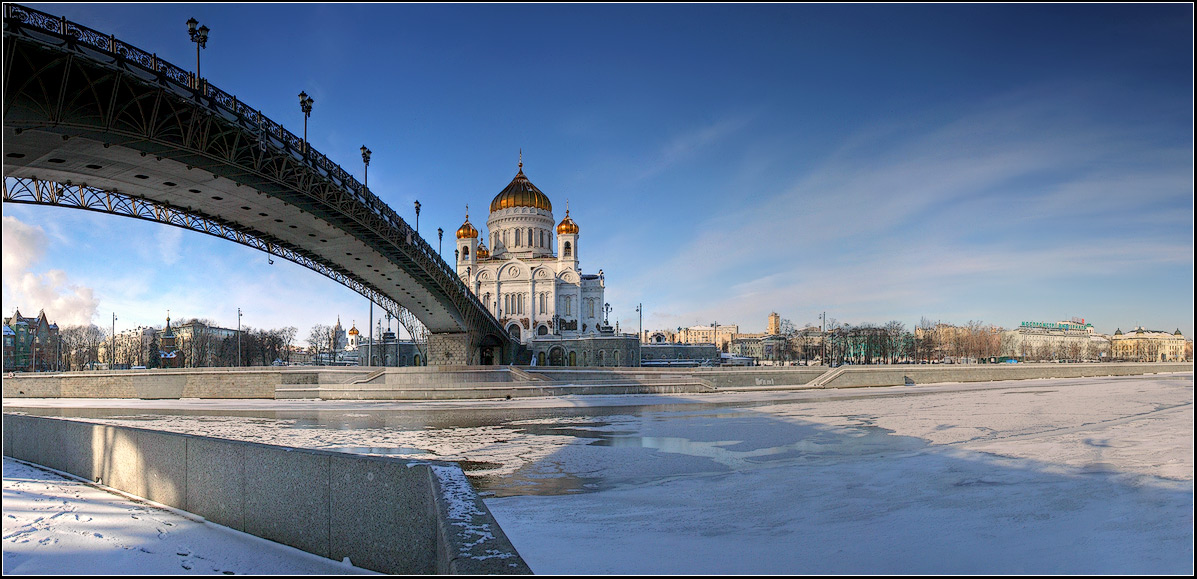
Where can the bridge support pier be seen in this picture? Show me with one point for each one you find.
(450, 349)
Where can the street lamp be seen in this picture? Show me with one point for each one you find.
(640, 310)
(607, 314)
(238, 337)
(112, 355)
(440, 235)
(305, 105)
(366, 161)
(823, 326)
(417, 217)
(200, 37)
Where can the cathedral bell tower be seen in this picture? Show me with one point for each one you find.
(567, 241)
(467, 247)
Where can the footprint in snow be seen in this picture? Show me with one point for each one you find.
(185, 564)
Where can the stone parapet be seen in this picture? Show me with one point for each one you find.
(385, 514)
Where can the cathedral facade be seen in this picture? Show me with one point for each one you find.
(526, 269)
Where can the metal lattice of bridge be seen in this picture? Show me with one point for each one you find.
(93, 123)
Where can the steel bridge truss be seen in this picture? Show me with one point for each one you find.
(71, 80)
(39, 192)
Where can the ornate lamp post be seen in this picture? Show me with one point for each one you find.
(200, 37)
(370, 324)
(238, 337)
(607, 314)
(305, 105)
(366, 162)
(417, 217)
(440, 235)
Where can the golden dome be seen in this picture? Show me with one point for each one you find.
(483, 252)
(353, 331)
(520, 193)
(466, 230)
(567, 225)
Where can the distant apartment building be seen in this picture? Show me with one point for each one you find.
(762, 348)
(1142, 345)
(1071, 340)
(200, 343)
(719, 334)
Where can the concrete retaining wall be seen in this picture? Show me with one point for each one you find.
(456, 382)
(386, 514)
(861, 376)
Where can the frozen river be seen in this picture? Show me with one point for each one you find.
(1088, 475)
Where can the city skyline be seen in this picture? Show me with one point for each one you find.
(1001, 163)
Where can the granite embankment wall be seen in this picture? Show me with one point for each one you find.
(385, 514)
(455, 382)
(861, 376)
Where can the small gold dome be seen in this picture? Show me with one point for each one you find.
(353, 331)
(483, 252)
(466, 230)
(567, 225)
(520, 193)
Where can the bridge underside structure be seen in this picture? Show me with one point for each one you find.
(93, 123)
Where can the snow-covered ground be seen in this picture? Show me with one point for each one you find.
(1087, 475)
(55, 525)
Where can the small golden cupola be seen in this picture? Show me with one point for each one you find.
(467, 230)
(353, 330)
(483, 252)
(567, 225)
(520, 193)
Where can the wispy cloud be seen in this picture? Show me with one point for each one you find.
(685, 146)
(1011, 193)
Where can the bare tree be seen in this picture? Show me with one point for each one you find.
(927, 340)
(1073, 350)
(93, 337)
(286, 340)
(320, 338)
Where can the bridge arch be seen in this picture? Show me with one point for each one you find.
(93, 123)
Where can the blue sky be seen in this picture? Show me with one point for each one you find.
(987, 162)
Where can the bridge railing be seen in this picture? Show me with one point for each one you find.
(250, 119)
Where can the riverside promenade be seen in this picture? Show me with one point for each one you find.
(505, 382)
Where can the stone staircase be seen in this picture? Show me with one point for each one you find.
(826, 378)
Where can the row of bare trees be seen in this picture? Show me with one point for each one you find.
(202, 345)
(891, 342)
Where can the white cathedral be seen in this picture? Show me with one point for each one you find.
(531, 280)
